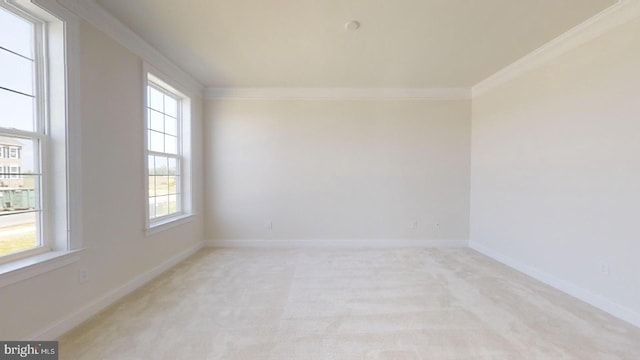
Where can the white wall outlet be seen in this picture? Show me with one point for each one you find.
(269, 224)
(83, 276)
(605, 268)
(413, 225)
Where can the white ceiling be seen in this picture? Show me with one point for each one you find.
(303, 43)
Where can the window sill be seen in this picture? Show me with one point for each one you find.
(168, 223)
(19, 270)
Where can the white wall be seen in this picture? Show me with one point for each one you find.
(335, 170)
(556, 170)
(113, 200)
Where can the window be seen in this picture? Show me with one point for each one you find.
(22, 126)
(167, 150)
(38, 114)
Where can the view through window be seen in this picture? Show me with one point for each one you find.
(21, 134)
(164, 153)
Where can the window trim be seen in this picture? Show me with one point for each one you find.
(153, 76)
(63, 166)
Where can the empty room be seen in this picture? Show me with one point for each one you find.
(320, 179)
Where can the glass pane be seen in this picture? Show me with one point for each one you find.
(16, 111)
(17, 230)
(173, 204)
(16, 72)
(170, 106)
(162, 185)
(18, 163)
(173, 184)
(173, 166)
(151, 165)
(28, 199)
(155, 121)
(155, 99)
(161, 165)
(170, 126)
(18, 152)
(162, 205)
(16, 34)
(152, 185)
(171, 144)
(152, 207)
(156, 141)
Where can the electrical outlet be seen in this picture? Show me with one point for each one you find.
(269, 225)
(83, 276)
(413, 225)
(605, 268)
(436, 230)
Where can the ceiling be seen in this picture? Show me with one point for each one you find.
(304, 43)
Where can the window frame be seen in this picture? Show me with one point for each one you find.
(58, 83)
(154, 78)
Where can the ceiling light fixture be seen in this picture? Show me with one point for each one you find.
(352, 25)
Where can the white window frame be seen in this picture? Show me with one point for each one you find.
(159, 80)
(61, 225)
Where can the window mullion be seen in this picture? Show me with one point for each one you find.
(163, 154)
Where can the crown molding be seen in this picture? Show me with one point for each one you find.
(337, 93)
(96, 15)
(618, 14)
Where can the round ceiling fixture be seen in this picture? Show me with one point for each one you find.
(352, 25)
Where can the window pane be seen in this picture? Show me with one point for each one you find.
(29, 198)
(173, 184)
(162, 206)
(16, 111)
(17, 230)
(161, 165)
(16, 72)
(152, 207)
(16, 34)
(151, 165)
(171, 106)
(171, 126)
(155, 99)
(18, 163)
(156, 141)
(172, 166)
(162, 185)
(171, 144)
(155, 121)
(22, 153)
(152, 185)
(173, 204)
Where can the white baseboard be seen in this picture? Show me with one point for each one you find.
(58, 328)
(580, 293)
(335, 243)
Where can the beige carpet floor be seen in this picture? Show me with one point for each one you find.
(440, 304)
